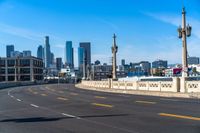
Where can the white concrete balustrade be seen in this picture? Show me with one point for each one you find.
(176, 85)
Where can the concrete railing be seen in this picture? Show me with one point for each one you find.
(4, 85)
(165, 86)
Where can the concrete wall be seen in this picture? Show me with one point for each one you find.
(176, 85)
(167, 86)
(4, 85)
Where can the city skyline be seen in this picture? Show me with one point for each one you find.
(145, 30)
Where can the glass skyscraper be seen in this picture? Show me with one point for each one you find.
(81, 56)
(40, 52)
(9, 49)
(47, 53)
(69, 54)
(87, 47)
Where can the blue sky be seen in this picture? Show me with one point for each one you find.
(146, 29)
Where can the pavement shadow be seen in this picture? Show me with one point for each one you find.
(45, 119)
(33, 119)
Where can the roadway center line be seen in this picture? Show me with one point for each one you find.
(100, 97)
(33, 105)
(44, 95)
(62, 98)
(146, 102)
(168, 99)
(180, 116)
(19, 100)
(35, 93)
(102, 105)
(74, 94)
(68, 115)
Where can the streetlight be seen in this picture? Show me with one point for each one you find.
(183, 33)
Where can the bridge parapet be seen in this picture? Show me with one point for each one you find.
(176, 85)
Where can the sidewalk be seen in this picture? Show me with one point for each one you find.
(147, 93)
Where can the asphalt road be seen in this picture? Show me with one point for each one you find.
(66, 109)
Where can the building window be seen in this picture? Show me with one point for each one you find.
(25, 78)
(25, 70)
(2, 63)
(11, 63)
(11, 78)
(11, 71)
(25, 62)
(2, 71)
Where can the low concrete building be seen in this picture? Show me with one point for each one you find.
(21, 69)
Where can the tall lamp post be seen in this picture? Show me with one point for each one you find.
(183, 33)
(114, 58)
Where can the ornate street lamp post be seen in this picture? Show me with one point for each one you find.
(114, 58)
(183, 33)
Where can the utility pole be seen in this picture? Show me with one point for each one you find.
(114, 60)
(183, 33)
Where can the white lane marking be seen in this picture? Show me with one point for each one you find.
(12, 96)
(19, 100)
(168, 99)
(72, 116)
(33, 105)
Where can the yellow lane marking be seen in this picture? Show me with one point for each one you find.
(102, 105)
(35, 92)
(145, 102)
(100, 97)
(60, 91)
(44, 95)
(62, 98)
(180, 116)
(74, 94)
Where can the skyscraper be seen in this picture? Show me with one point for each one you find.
(40, 52)
(160, 64)
(123, 62)
(9, 49)
(193, 60)
(59, 63)
(87, 47)
(26, 53)
(81, 62)
(69, 57)
(47, 52)
(52, 59)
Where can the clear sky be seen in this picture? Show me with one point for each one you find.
(146, 29)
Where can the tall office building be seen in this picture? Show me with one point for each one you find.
(146, 67)
(9, 49)
(59, 63)
(193, 60)
(87, 47)
(26, 53)
(47, 53)
(69, 54)
(123, 62)
(16, 54)
(81, 61)
(52, 59)
(160, 64)
(40, 52)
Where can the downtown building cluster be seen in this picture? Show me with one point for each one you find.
(57, 67)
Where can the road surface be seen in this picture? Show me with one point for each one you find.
(66, 109)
